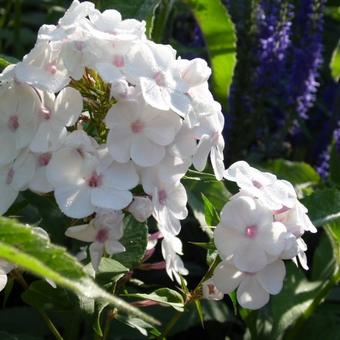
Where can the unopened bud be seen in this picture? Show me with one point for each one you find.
(141, 208)
(210, 291)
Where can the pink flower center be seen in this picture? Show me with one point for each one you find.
(137, 126)
(118, 61)
(162, 196)
(95, 180)
(10, 175)
(44, 159)
(79, 45)
(13, 123)
(251, 231)
(51, 68)
(160, 78)
(45, 113)
(102, 235)
(256, 184)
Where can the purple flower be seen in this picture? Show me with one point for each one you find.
(336, 137)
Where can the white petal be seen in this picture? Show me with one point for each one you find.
(108, 72)
(3, 281)
(96, 253)
(146, 153)
(201, 156)
(227, 240)
(271, 277)
(7, 197)
(153, 94)
(226, 277)
(119, 144)
(74, 201)
(84, 232)
(68, 106)
(121, 176)
(114, 247)
(250, 293)
(109, 198)
(162, 129)
(250, 258)
(273, 238)
(180, 103)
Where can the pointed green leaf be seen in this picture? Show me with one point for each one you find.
(211, 215)
(219, 35)
(23, 246)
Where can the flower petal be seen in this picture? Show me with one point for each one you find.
(227, 277)
(271, 277)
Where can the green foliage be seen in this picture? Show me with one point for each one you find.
(334, 165)
(164, 296)
(211, 215)
(323, 206)
(294, 172)
(335, 63)
(219, 34)
(134, 240)
(23, 246)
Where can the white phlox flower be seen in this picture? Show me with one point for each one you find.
(253, 289)
(277, 195)
(171, 247)
(85, 181)
(54, 116)
(104, 233)
(210, 291)
(140, 132)
(209, 134)
(43, 67)
(15, 177)
(19, 107)
(248, 234)
(39, 182)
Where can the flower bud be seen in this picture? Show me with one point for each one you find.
(141, 208)
(210, 291)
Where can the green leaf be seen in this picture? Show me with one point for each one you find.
(42, 295)
(323, 206)
(199, 311)
(294, 172)
(164, 296)
(335, 62)
(214, 191)
(219, 35)
(296, 297)
(135, 240)
(211, 215)
(6, 60)
(23, 246)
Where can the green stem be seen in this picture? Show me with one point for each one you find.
(195, 294)
(161, 20)
(20, 279)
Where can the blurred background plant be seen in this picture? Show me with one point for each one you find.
(276, 70)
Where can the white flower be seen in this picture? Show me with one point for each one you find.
(141, 208)
(55, 115)
(18, 119)
(104, 231)
(296, 220)
(140, 132)
(43, 68)
(171, 247)
(92, 182)
(248, 234)
(152, 66)
(39, 182)
(277, 195)
(210, 291)
(253, 288)
(15, 177)
(209, 133)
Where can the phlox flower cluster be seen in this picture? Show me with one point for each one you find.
(162, 120)
(261, 226)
